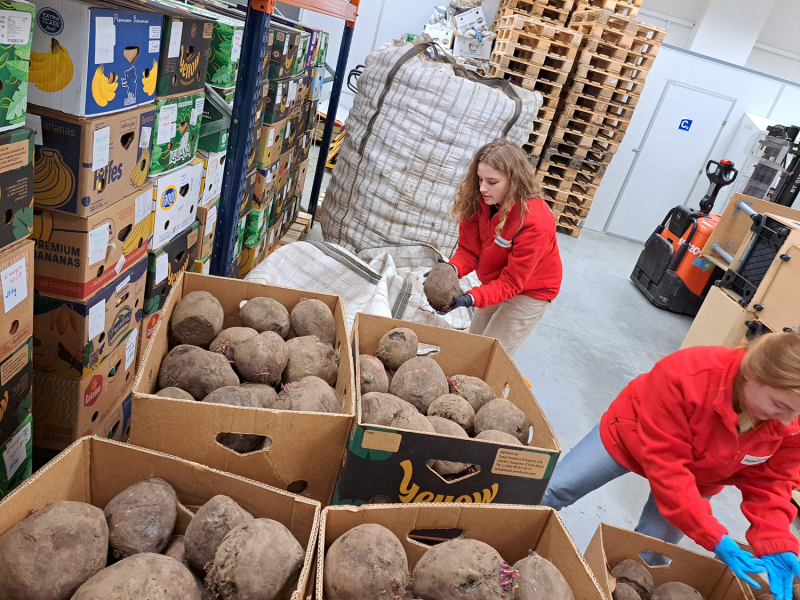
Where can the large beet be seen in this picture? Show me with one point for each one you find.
(441, 286)
(419, 381)
(460, 569)
(396, 347)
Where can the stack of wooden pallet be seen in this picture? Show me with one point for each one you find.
(623, 8)
(552, 11)
(536, 56)
(595, 110)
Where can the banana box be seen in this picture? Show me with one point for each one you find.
(207, 218)
(202, 265)
(16, 377)
(247, 260)
(16, 184)
(316, 75)
(91, 59)
(75, 257)
(175, 197)
(226, 44)
(18, 465)
(237, 249)
(270, 149)
(266, 183)
(15, 38)
(147, 330)
(214, 168)
(285, 167)
(16, 296)
(65, 409)
(302, 175)
(165, 265)
(255, 227)
(71, 339)
(185, 50)
(303, 148)
(247, 194)
(310, 116)
(214, 142)
(303, 44)
(255, 144)
(322, 51)
(283, 43)
(177, 132)
(84, 165)
(276, 100)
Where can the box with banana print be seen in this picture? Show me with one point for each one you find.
(84, 165)
(75, 257)
(91, 59)
(64, 409)
(71, 339)
(15, 39)
(177, 131)
(16, 378)
(185, 50)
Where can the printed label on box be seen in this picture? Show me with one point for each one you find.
(120, 264)
(98, 243)
(35, 122)
(15, 28)
(13, 156)
(14, 284)
(102, 143)
(162, 268)
(520, 463)
(130, 348)
(13, 365)
(154, 46)
(211, 218)
(381, 440)
(144, 138)
(155, 32)
(16, 450)
(105, 38)
(175, 39)
(144, 206)
(166, 123)
(97, 319)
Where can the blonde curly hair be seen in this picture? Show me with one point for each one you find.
(511, 160)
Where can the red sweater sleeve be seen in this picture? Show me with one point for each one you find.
(767, 499)
(528, 248)
(666, 443)
(465, 259)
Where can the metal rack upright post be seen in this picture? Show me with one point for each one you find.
(248, 82)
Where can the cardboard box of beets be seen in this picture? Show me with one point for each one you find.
(94, 471)
(712, 578)
(390, 465)
(303, 450)
(513, 531)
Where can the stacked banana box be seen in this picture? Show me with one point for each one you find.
(292, 83)
(116, 102)
(536, 55)
(595, 109)
(16, 251)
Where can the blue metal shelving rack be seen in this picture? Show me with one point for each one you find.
(254, 47)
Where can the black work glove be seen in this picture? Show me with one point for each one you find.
(441, 260)
(465, 300)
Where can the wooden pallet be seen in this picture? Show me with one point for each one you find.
(555, 11)
(618, 7)
(601, 62)
(541, 126)
(562, 208)
(533, 151)
(625, 55)
(594, 154)
(566, 186)
(510, 22)
(550, 89)
(598, 132)
(304, 219)
(535, 72)
(571, 112)
(506, 53)
(582, 176)
(610, 81)
(553, 155)
(566, 196)
(605, 106)
(583, 140)
(586, 22)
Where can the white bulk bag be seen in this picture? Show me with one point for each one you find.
(416, 123)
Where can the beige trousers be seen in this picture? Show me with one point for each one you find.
(511, 321)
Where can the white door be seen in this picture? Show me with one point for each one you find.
(673, 152)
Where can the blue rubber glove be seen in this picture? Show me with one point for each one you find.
(781, 569)
(739, 561)
(465, 300)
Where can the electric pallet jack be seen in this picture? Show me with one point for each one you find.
(670, 271)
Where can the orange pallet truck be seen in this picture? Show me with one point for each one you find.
(671, 272)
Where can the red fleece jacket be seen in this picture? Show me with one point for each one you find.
(521, 260)
(676, 426)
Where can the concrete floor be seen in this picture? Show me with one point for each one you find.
(598, 335)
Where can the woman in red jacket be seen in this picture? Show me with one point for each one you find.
(507, 233)
(704, 418)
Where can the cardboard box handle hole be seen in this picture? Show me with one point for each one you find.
(297, 487)
(8, 215)
(264, 443)
(14, 326)
(431, 537)
(655, 560)
(469, 471)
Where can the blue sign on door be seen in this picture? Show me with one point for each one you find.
(685, 124)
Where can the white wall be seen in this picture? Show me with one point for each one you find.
(755, 93)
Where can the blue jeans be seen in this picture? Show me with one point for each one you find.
(589, 466)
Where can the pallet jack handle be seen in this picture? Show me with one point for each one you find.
(721, 175)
